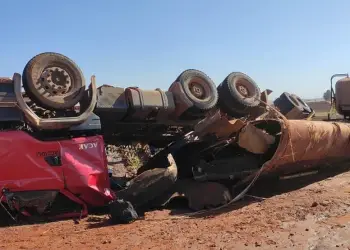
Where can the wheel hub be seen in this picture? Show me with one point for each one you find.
(243, 90)
(55, 81)
(197, 90)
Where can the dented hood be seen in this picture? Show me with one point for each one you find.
(77, 165)
(85, 169)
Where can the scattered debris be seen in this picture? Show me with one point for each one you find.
(230, 168)
(255, 140)
(206, 195)
(199, 195)
(122, 212)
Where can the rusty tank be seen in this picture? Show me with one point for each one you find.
(342, 96)
(305, 145)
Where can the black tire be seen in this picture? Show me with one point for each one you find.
(193, 80)
(148, 186)
(233, 101)
(62, 93)
(302, 103)
(286, 102)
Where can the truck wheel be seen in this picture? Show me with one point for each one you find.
(199, 89)
(53, 81)
(149, 185)
(239, 95)
(286, 102)
(302, 103)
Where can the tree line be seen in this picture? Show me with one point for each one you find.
(327, 95)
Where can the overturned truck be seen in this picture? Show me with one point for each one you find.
(54, 161)
(55, 128)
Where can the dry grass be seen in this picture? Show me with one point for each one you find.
(127, 158)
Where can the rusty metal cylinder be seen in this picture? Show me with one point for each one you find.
(342, 96)
(305, 144)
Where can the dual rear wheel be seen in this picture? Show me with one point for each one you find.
(238, 95)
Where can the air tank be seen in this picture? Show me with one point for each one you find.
(342, 96)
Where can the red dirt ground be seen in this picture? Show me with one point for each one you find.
(316, 216)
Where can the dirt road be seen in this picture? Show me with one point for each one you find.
(316, 216)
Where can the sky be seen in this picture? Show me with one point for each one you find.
(293, 46)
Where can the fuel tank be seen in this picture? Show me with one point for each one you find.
(342, 96)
